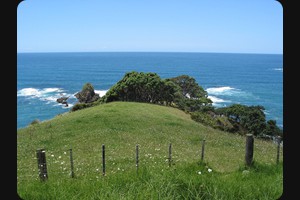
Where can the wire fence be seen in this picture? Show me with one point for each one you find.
(62, 163)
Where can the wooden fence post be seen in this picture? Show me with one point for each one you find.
(278, 148)
(42, 165)
(249, 149)
(137, 158)
(170, 155)
(103, 159)
(202, 152)
(72, 165)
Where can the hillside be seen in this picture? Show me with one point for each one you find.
(120, 126)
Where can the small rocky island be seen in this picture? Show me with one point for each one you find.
(86, 95)
(63, 100)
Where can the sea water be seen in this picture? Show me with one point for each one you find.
(249, 79)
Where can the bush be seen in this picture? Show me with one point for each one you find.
(209, 118)
(204, 118)
(36, 121)
(88, 87)
(80, 106)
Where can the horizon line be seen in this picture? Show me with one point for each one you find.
(144, 52)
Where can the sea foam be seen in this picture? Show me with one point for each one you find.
(225, 95)
(227, 91)
(219, 90)
(278, 69)
(216, 99)
(49, 95)
(37, 92)
(28, 92)
(101, 92)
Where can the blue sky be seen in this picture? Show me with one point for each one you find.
(228, 26)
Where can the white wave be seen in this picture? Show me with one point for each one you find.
(28, 92)
(266, 112)
(278, 69)
(37, 92)
(50, 98)
(219, 94)
(101, 92)
(71, 96)
(50, 95)
(280, 125)
(63, 94)
(226, 91)
(49, 90)
(69, 106)
(63, 105)
(219, 90)
(216, 99)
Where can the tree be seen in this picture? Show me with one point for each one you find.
(142, 87)
(272, 129)
(192, 96)
(235, 111)
(252, 118)
(189, 87)
(169, 91)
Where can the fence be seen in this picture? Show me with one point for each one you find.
(249, 148)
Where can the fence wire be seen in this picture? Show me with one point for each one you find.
(59, 164)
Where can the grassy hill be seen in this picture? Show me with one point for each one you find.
(122, 125)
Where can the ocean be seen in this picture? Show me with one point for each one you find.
(249, 79)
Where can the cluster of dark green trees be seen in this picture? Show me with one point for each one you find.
(183, 92)
(239, 119)
(143, 87)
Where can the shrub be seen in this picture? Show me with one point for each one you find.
(209, 118)
(80, 106)
(88, 87)
(36, 121)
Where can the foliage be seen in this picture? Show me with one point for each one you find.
(88, 87)
(189, 87)
(36, 121)
(204, 118)
(79, 106)
(272, 129)
(184, 93)
(142, 87)
(252, 118)
(209, 118)
(193, 97)
(192, 105)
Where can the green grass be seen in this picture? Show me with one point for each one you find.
(120, 126)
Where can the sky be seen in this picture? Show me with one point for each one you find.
(231, 26)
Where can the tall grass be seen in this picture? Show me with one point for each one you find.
(120, 126)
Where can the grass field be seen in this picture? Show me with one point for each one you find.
(123, 125)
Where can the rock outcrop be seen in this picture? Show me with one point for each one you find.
(62, 100)
(87, 94)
